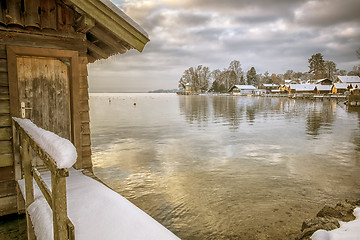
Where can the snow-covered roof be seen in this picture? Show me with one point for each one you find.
(245, 87)
(270, 85)
(349, 79)
(119, 12)
(323, 80)
(303, 87)
(341, 85)
(323, 87)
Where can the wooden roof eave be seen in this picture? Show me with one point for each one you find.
(113, 23)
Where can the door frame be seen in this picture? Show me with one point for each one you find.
(14, 51)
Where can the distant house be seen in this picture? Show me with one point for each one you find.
(242, 89)
(270, 87)
(324, 81)
(302, 88)
(323, 89)
(348, 79)
(190, 89)
(282, 89)
(340, 88)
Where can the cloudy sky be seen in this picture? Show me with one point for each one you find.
(270, 35)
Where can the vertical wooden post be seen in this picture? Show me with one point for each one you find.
(17, 166)
(28, 185)
(59, 206)
(28, 175)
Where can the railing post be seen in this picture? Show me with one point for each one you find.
(59, 206)
(29, 187)
(17, 166)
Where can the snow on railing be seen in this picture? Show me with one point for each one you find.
(57, 154)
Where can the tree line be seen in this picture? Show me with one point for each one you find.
(202, 79)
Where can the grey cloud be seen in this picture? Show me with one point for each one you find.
(322, 13)
(274, 36)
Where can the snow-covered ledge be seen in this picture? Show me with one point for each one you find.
(60, 149)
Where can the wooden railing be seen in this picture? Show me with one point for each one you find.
(26, 147)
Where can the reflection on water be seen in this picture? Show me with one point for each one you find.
(223, 167)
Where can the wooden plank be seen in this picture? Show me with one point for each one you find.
(7, 173)
(2, 13)
(4, 106)
(65, 18)
(8, 205)
(32, 15)
(5, 147)
(6, 160)
(13, 82)
(14, 14)
(85, 128)
(7, 188)
(42, 185)
(4, 90)
(108, 40)
(86, 160)
(5, 120)
(4, 82)
(84, 24)
(92, 47)
(5, 133)
(85, 117)
(69, 42)
(86, 140)
(3, 65)
(59, 207)
(84, 106)
(2, 51)
(84, 93)
(48, 14)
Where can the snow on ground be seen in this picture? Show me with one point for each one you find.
(60, 149)
(97, 212)
(347, 231)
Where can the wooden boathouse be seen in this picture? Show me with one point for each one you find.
(45, 46)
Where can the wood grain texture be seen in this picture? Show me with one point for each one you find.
(44, 87)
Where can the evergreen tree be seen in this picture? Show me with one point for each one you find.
(251, 77)
(317, 66)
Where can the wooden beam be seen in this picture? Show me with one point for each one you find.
(91, 58)
(92, 47)
(113, 22)
(14, 12)
(48, 14)
(84, 24)
(111, 42)
(32, 16)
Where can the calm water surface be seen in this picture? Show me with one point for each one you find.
(226, 167)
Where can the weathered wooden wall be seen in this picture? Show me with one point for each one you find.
(7, 176)
(84, 115)
(53, 29)
(44, 14)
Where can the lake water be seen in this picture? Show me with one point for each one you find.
(226, 167)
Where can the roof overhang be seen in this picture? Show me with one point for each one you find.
(109, 31)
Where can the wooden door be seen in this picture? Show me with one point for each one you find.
(47, 81)
(44, 91)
